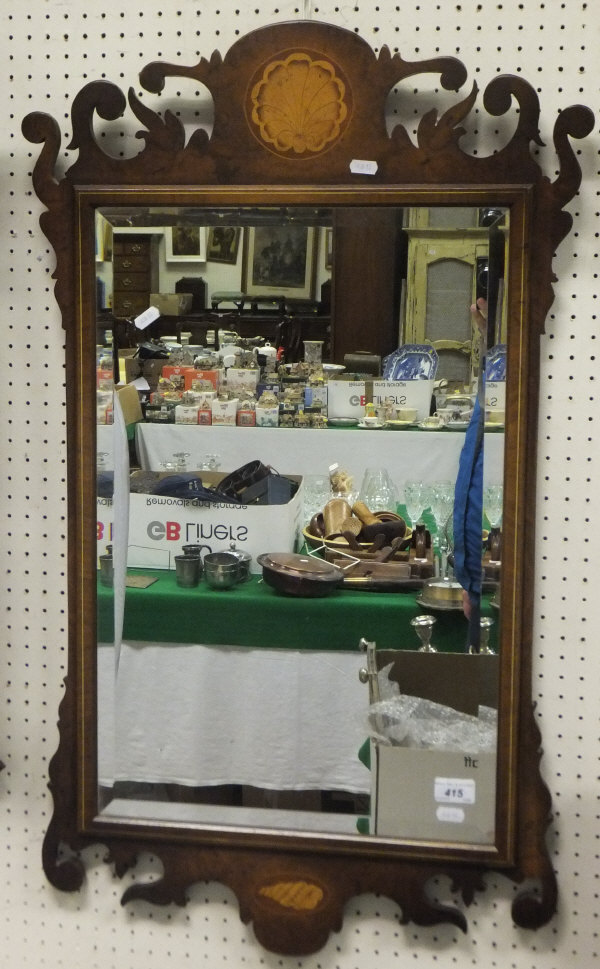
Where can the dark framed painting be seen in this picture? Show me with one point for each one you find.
(279, 260)
(223, 244)
(186, 243)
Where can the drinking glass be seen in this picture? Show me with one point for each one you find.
(441, 500)
(378, 491)
(209, 462)
(181, 460)
(316, 491)
(416, 500)
(492, 504)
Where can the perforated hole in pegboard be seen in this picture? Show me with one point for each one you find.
(52, 49)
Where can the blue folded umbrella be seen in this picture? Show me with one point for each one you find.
(468, 517)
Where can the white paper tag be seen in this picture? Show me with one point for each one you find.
(495, 395)
(361, 166)
(455, 815)
(452, 790)
(147, 317)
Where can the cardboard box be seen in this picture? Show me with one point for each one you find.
(160, 525)
(347, 398)
(437, 795)
(267, 416)
(104, 524)
(129, 400)
(224, 412)
(104, 379)
(242, 381)
(213, 376)
(185, 414)
(150, 369)
(172, 304)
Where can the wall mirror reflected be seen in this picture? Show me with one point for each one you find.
(275, 381)
(202, 678)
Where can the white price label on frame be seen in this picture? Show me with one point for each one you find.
(452, 790)
(363, 166)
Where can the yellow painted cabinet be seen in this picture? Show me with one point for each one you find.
(442, 273)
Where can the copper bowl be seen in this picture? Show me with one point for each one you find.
(300, 575)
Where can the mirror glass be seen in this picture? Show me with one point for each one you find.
(244, 706)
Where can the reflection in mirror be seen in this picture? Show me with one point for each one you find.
(243, 698)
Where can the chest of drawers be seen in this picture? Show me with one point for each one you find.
(135, 273)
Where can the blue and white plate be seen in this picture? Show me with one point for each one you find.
(495, 364)
(413, 361)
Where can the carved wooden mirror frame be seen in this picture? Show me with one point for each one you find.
(249, 154)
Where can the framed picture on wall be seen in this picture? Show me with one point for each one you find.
(185, 243)
(279, 260)
(103, 239)
(223, 244)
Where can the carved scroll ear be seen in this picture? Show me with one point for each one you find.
(393, 69)
(40, 128)
(497, 100)
(153, 76)
(576, 121)
(101, 97)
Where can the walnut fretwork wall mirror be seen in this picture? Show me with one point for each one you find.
(228, 731)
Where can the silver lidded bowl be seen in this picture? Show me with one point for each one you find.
(221, 570)
(244, 561)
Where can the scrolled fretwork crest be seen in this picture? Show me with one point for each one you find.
(306, 98)
(300, 101)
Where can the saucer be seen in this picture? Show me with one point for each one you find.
(425, 426)
(342, 421)
(400, 424)
(370, 427)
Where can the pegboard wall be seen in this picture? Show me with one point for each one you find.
(51, 49)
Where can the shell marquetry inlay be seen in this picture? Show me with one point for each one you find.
(297, 895)
(299, 105)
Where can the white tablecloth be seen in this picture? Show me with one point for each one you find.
(429, 455)
(205, 715)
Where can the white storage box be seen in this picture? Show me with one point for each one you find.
(159, 525)
(347, 398)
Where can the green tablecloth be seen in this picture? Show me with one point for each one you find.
(254, 614)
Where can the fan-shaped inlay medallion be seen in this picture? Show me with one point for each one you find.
(299, 105)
